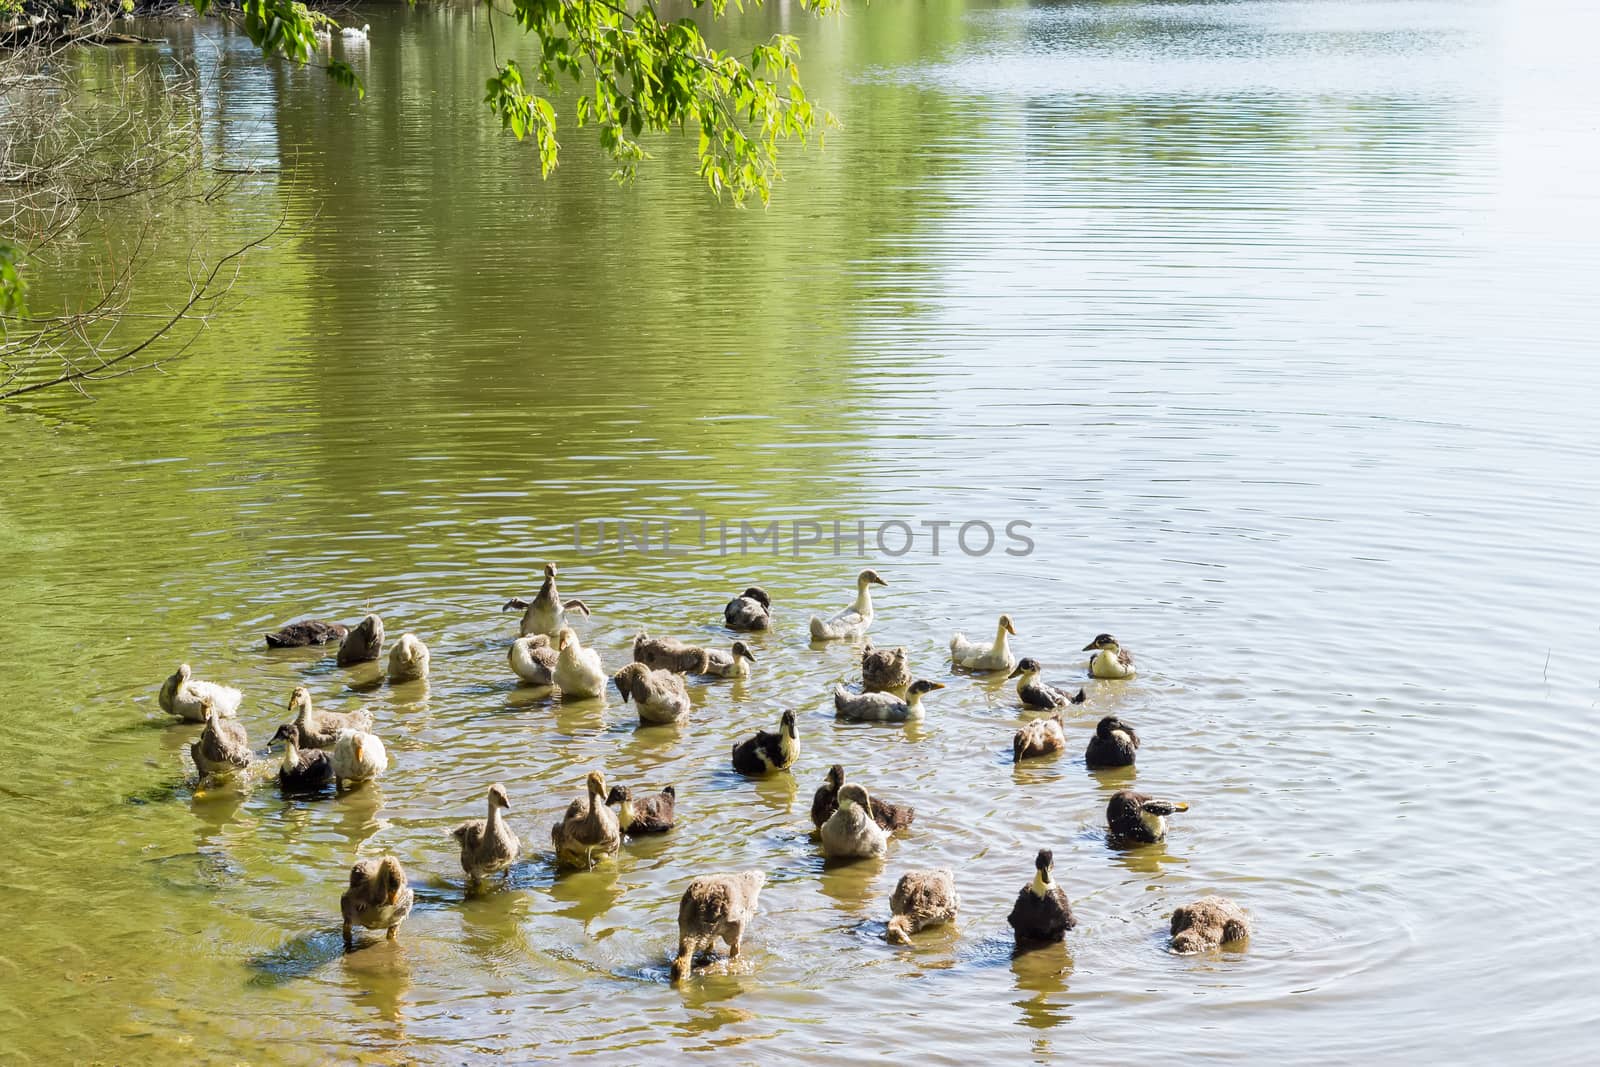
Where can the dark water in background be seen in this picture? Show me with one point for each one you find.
(1274, 320)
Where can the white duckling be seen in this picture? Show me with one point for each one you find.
(851, 832)
(358, 757)
(852, 621)
(533, 659)
(1110, 660)
(408, 659)
(977, 657)
(734, 663)
(185, 696)
(882, 707)
(578, 671)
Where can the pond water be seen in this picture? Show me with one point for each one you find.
(1273, 321)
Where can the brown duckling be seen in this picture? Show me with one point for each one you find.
(921, 899)
(222, 750)
(670, 654)
(307, 632)
(364, 644)
(1037, 694)
(321, 729)
(659, 695)
(378, 898)
(647, 815)
(750, 610)
(488, 845)
(1139, 817)
(1041, 737)
(1209, 922)
(587, 827)
(1042, 913)
(546, 613)
(825, 802)
(303, 770)
(715, 905)
(884, 670)
(767, 751)
(1113, 745)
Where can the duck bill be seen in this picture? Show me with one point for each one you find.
(1016, 673)
(1091, 647)
(1012, 630)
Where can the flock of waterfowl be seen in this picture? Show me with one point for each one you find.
(326, 749)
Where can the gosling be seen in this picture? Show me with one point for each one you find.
(884, 670)
(408, 659)
(378, 898)
(587, 827)
(715, 906)
(921, 899)
(1209, 922)
(1041, 737)
(364, 644)
(488, 845)
(851, 832)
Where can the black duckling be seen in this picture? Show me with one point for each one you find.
(767, 751)
(1037, 694)
(648, 815)
(750, 610)
(307, 632)
(1113, 744)
(1042, 913)
(1137, 817)
(303, 770)
(363, 644)
(884, 670)
(825, 802)
(1209, 922)
(378, 898)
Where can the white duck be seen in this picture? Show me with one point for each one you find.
(184, 696)
(976, 657)
(853, 620)
(350, 33)
(533, 659)
(358, 757)
(578, 671)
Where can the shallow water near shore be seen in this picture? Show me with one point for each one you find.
(1273, 322)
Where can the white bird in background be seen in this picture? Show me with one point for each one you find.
(350, 33)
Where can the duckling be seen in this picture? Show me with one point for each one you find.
(921, 899)
(1042, 913)
(488, 845)
(1113, 744)
(578, 671)
(307, 632)
(735, 663)
(408, 659)
(670, 654)
(1041, 737)
(715, 905)
(825, 801)
(882, 707)
(651, 815)
(660, 695)
(587, 827)
(378, 898)
(851, 832)
(1209, 922)
(533, 659)
(185, 696)
(1138, 817)
(321, 729)
(992, 657)
(547, 612)
(852, 621)
(358, 757)
(1037, 694)
(364, 644)
(1110, 660)
(750, 610)
(302, 771)
(884, 670)
(767, 751)
(222, 750)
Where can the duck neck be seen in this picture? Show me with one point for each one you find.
(493, 822)
(1001, 639)
(1041, 883)
(788, 744)
(914, 705)
(863, 604)
(625, 813)
(291, 754)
